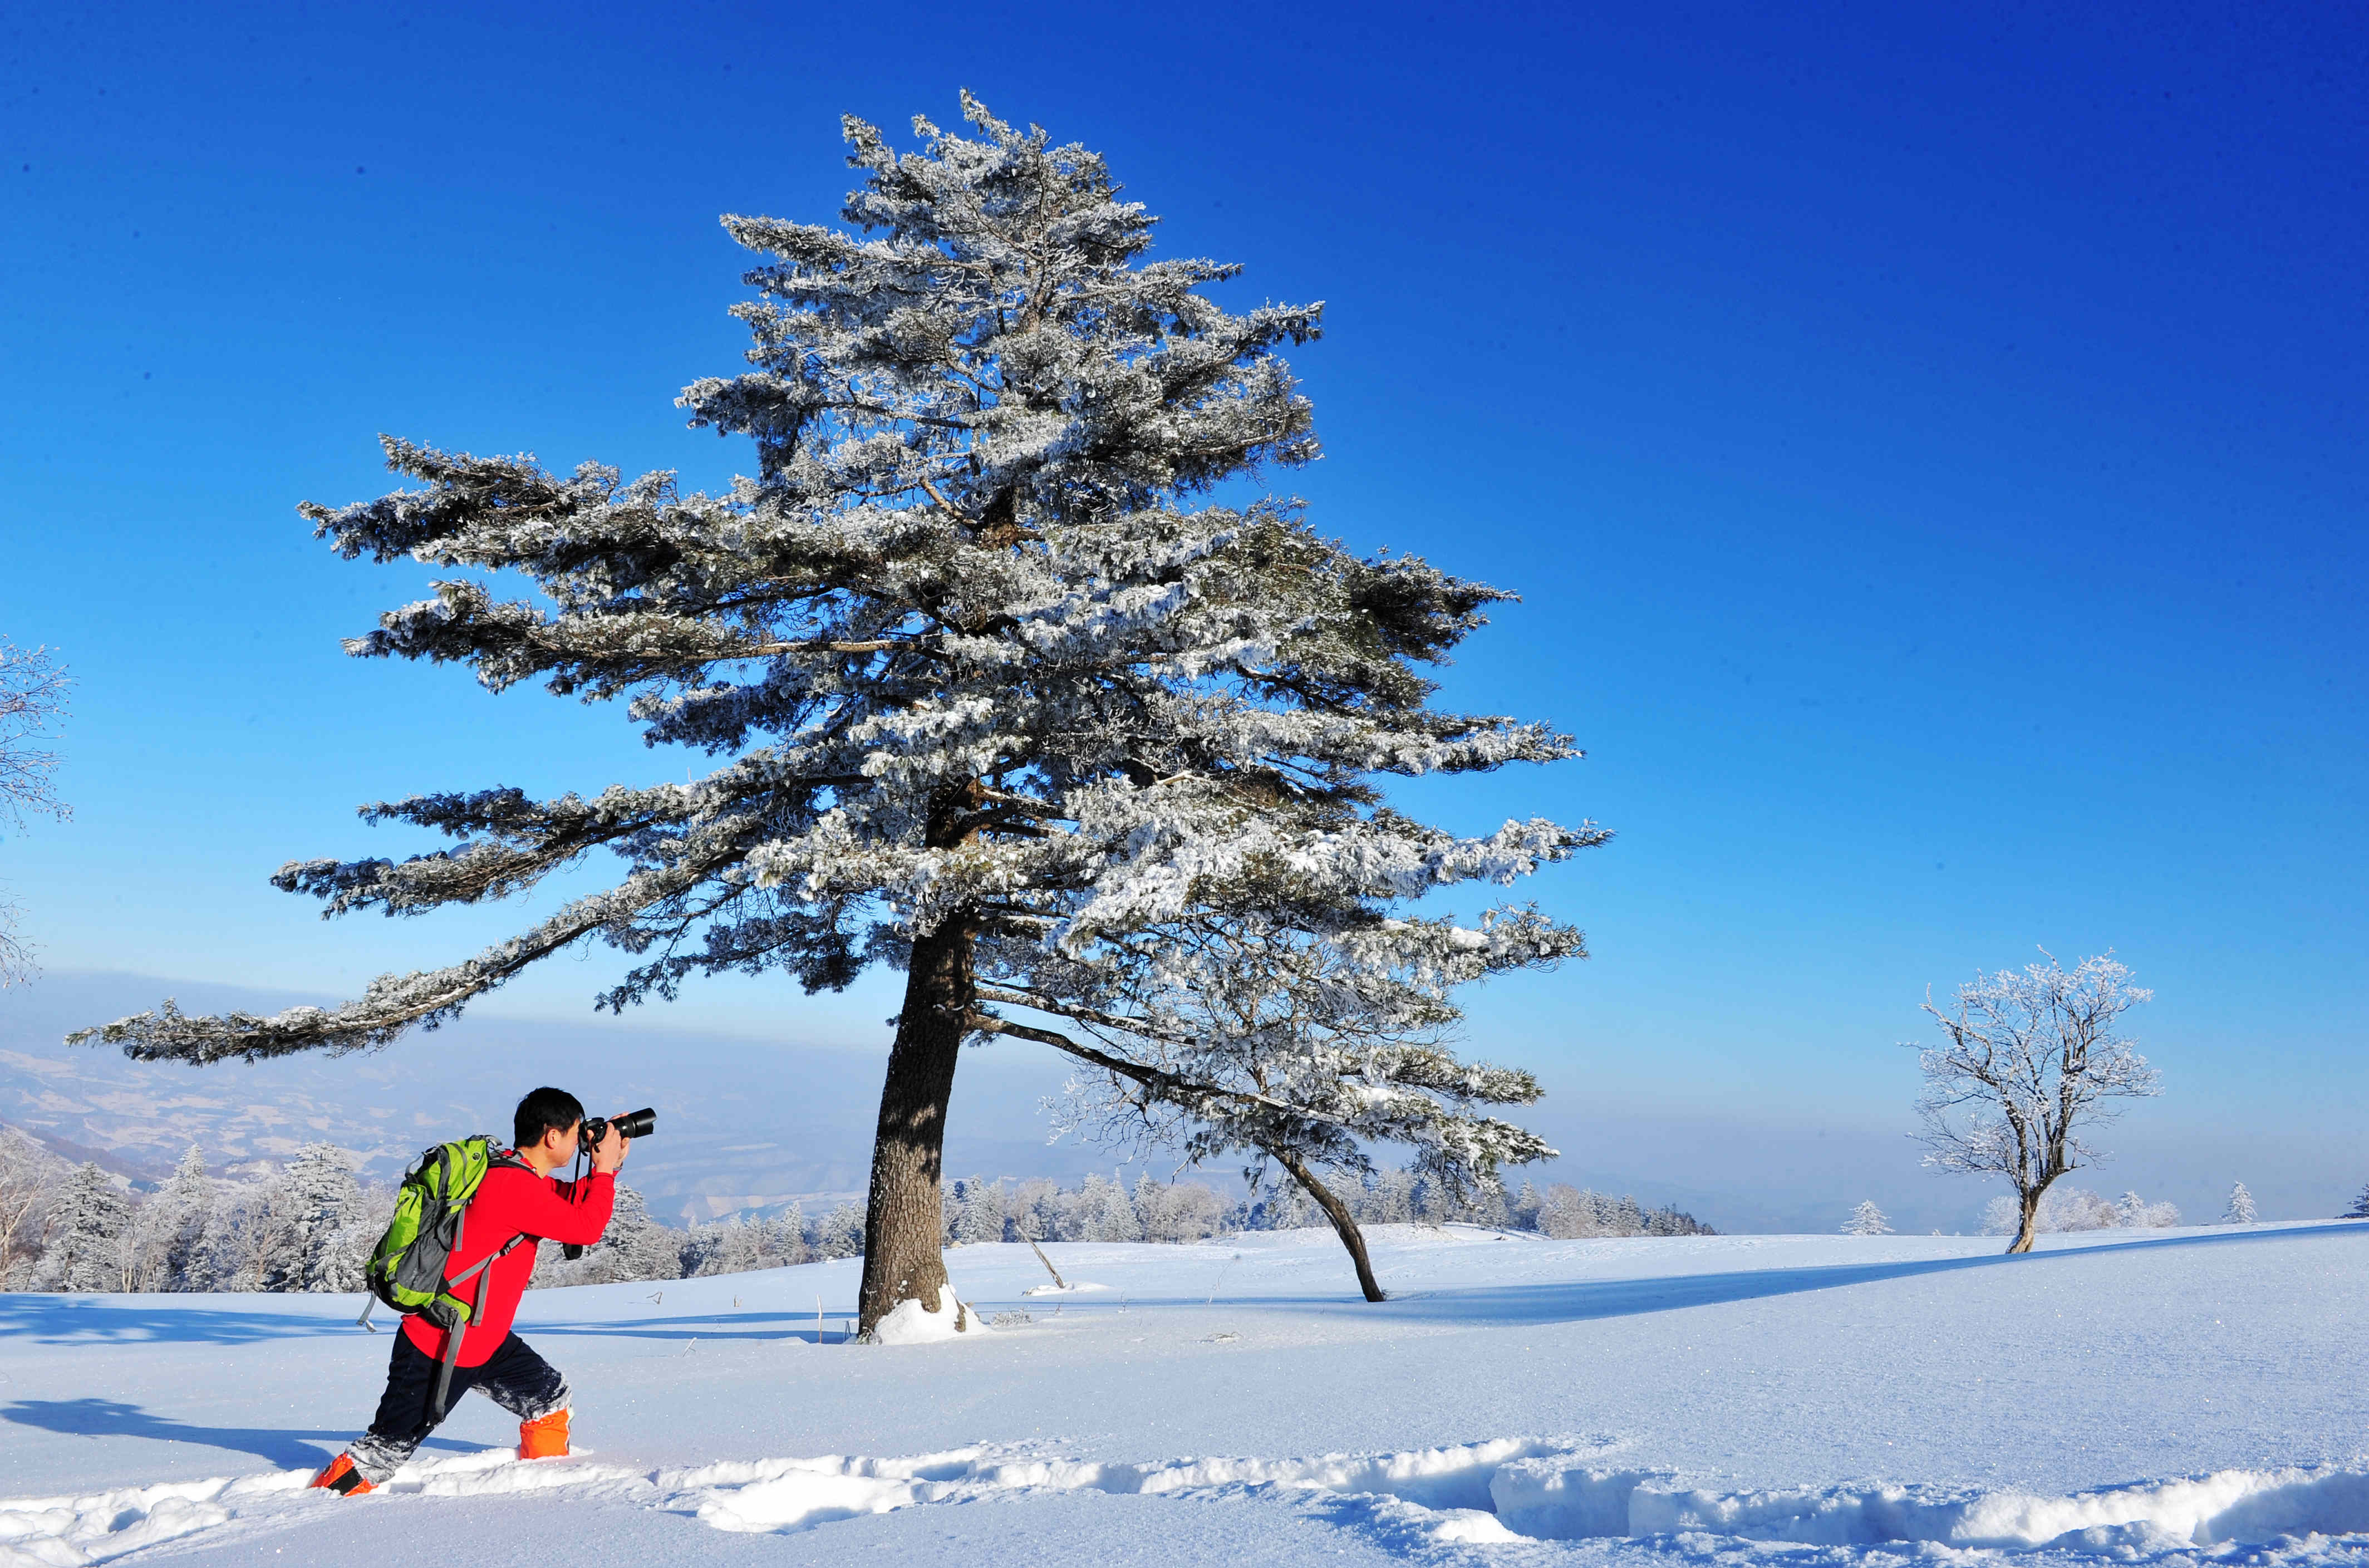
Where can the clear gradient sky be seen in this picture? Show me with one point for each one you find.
(1930, 449)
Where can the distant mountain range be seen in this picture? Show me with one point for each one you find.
(743, 1126)
(746, 1125)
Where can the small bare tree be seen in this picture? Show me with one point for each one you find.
(2032, 1059)
(33, 694)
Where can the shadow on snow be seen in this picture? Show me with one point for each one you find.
(113, 1418)
(63, 1320)
(1581, 1300)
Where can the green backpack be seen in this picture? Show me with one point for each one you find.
(407, 1271)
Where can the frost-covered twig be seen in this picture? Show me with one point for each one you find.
(33, 698)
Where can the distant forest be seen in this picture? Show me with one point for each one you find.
(310, 1225)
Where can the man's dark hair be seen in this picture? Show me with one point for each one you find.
(544, 1110)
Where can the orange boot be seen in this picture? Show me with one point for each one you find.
(342, 1478)
(544, 1438)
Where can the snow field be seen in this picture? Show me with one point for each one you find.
(1504, 1491)
(1810, 1402)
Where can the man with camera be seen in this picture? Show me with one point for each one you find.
(517, 1203)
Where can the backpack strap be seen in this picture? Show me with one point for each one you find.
(483, 1267)
(496, 1159)
(471, 1272)
(482, 1271)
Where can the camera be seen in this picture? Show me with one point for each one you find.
(633, 1124)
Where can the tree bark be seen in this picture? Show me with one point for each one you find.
(1342, 1221)
(2028, 1206)
(903, 1254)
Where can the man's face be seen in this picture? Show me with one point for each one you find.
(559, 1146)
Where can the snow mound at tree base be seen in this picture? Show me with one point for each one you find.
(909, 1322)
(1516, 1492)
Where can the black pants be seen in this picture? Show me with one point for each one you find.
(513, 1377)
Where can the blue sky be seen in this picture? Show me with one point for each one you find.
(1930, 450)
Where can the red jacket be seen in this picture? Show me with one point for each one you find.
(511, 1202)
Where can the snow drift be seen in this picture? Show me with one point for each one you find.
(1500, 1491)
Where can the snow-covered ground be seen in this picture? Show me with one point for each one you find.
(1803, 1400)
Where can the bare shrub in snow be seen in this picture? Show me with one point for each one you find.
(2032, 1060)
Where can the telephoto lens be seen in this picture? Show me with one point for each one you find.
(633, 1124)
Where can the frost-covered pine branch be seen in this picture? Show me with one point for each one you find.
(1297, 1030)
(1005, 695)
(2032, 1061)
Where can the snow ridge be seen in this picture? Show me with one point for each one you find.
(1555, 1500)
(1508, 1490)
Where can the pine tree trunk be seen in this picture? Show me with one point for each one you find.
(2028, 1206)
(903, 1258)
(1342, 1221)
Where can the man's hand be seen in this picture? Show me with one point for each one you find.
(610, 1152)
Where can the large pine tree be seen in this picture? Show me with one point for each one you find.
(1012, 679)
